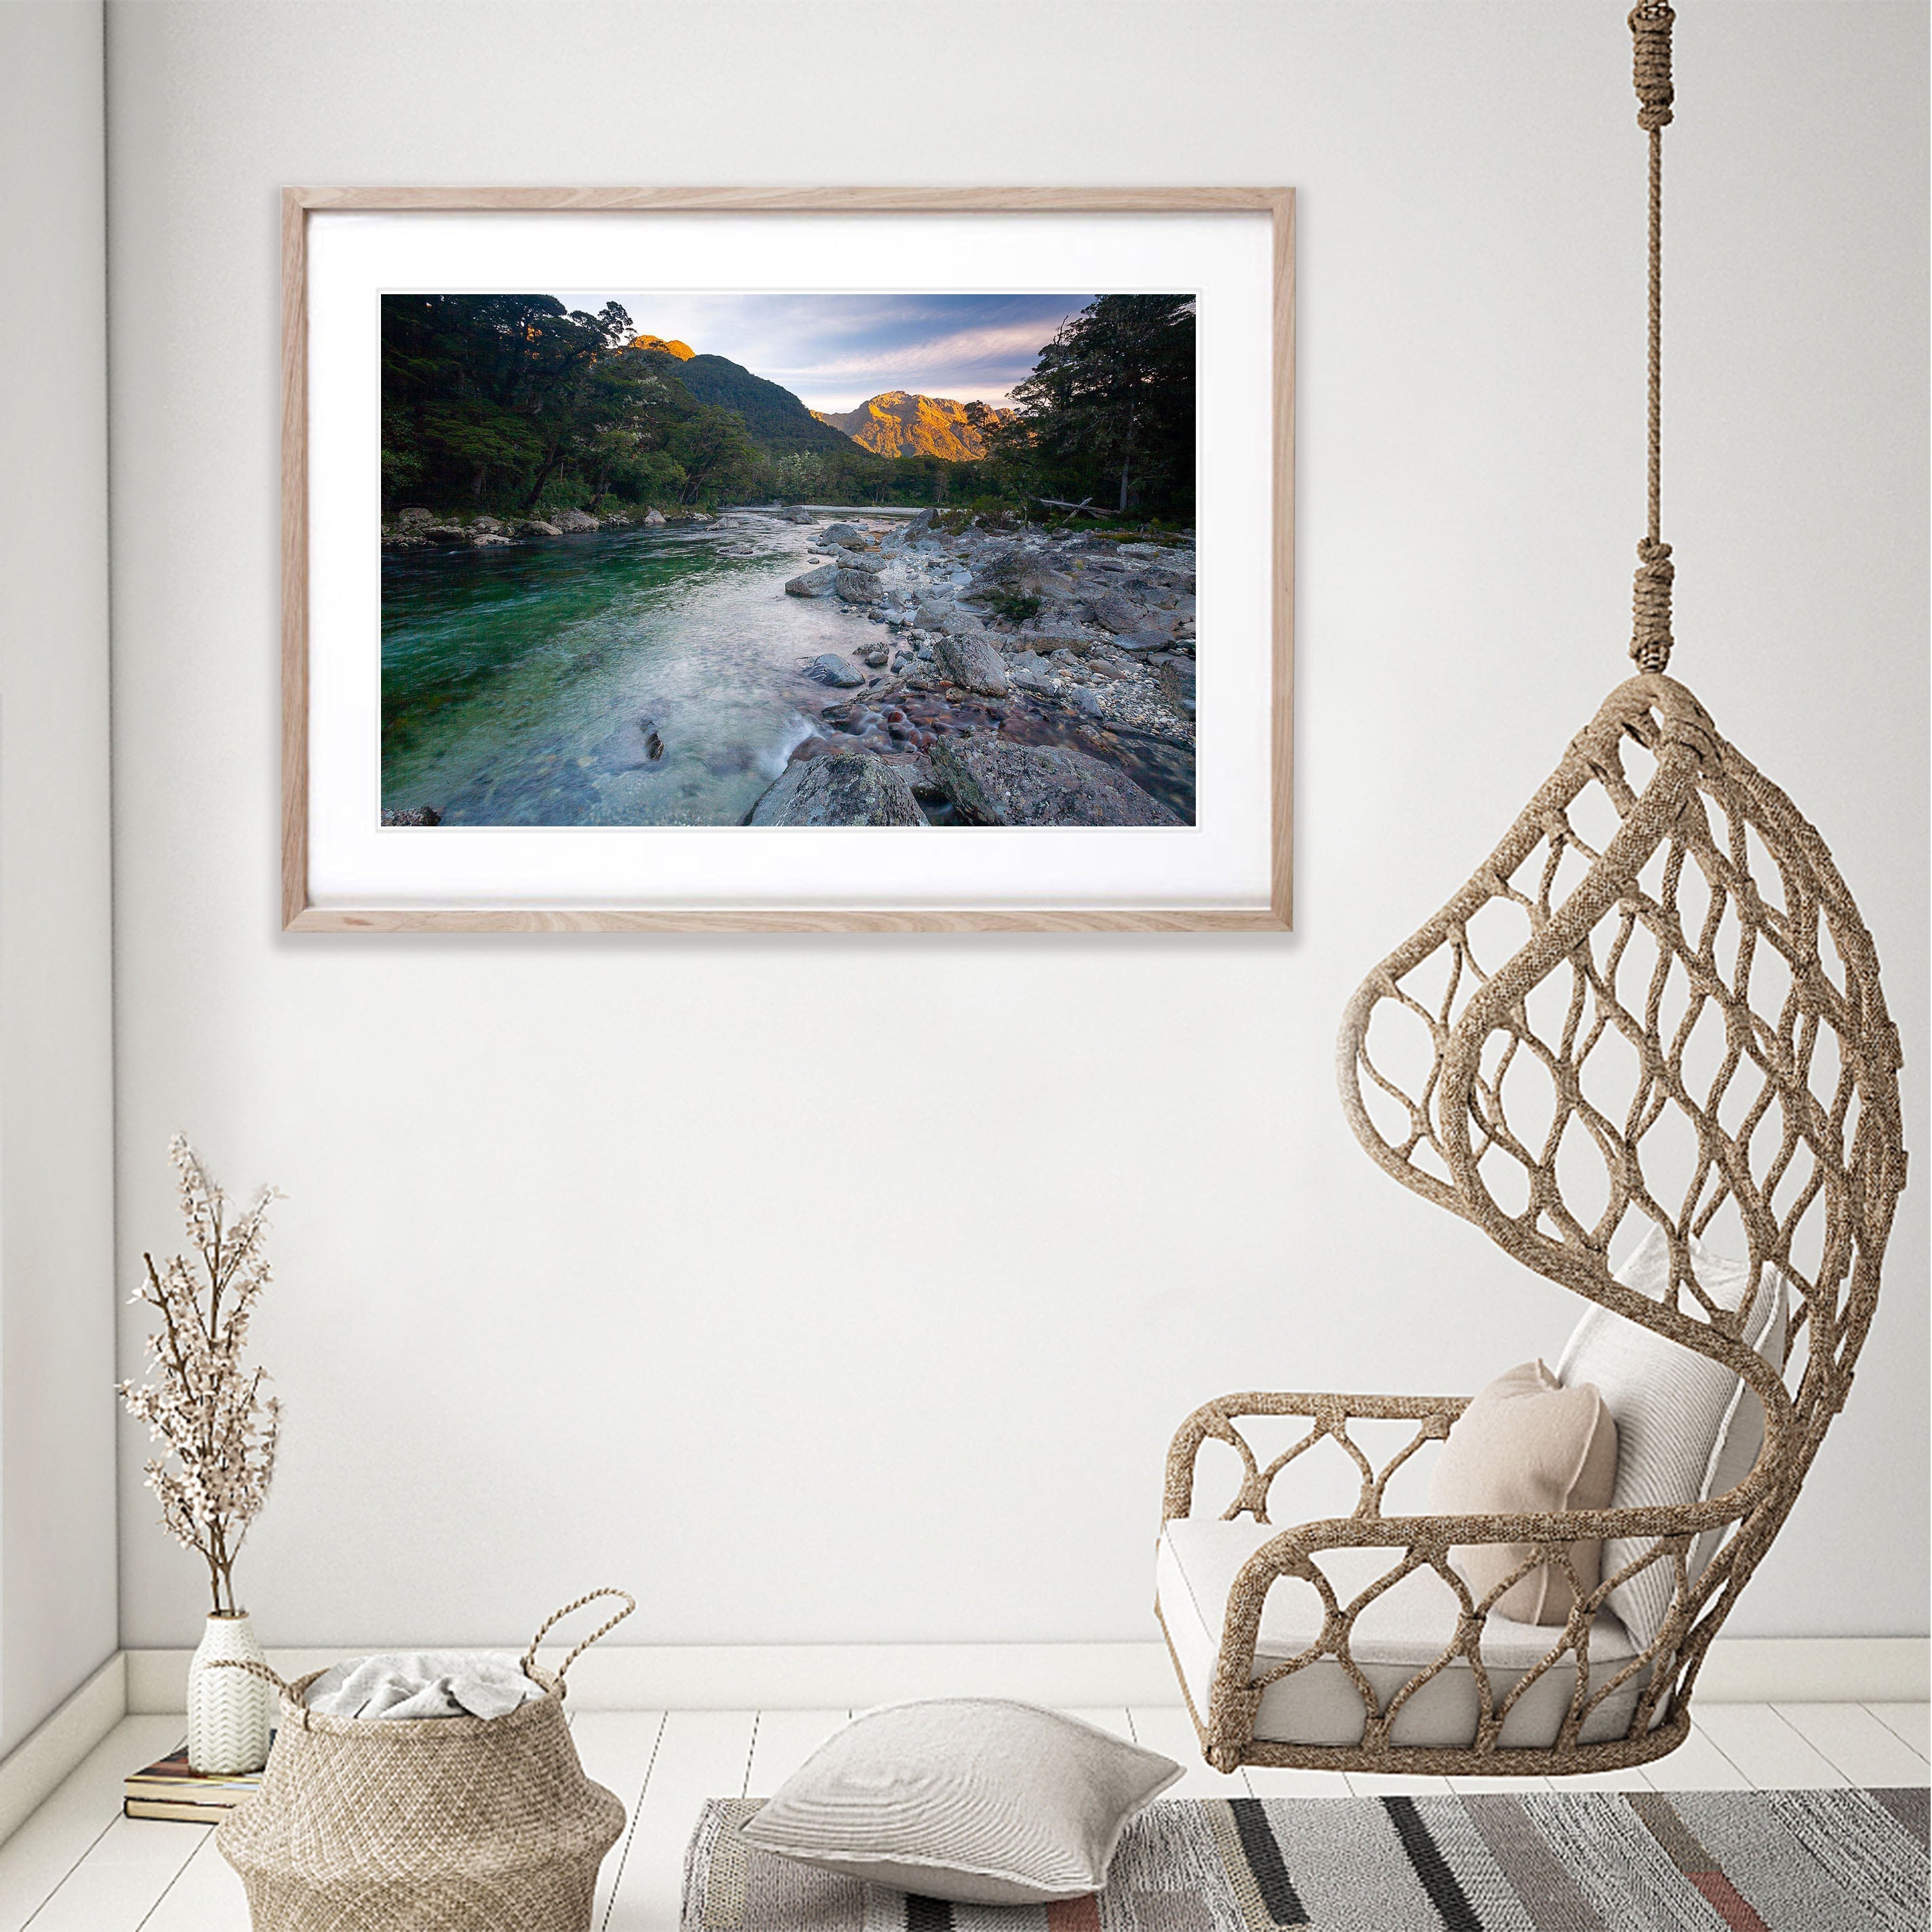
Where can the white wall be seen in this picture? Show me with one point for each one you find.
(848, 1288)
(57, 1504)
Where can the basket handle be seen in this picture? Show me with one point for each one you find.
(254, 1669)
(630, 1603)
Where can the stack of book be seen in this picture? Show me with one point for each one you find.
(171, 1790)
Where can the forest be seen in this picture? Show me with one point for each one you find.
(514, 405)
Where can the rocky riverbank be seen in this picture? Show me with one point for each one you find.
(424, 529)
(1023, 678)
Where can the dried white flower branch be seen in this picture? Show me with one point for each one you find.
(220, 1430)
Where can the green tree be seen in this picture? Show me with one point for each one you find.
(716, 452)
(1109, 407)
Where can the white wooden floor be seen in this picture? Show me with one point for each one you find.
(78, 1866)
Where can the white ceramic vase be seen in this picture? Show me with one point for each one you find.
(230, 1712)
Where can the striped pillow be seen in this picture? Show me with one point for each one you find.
(971, 1800)
(1687, 1429)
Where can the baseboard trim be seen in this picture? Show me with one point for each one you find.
(36, 1768)
(770, 1677)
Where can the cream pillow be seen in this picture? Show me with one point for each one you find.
(1527, 1445)
(972, 1800)
(1687, 1429)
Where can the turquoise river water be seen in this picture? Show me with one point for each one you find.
(626, 677)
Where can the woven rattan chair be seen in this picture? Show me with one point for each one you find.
(1654, 1005)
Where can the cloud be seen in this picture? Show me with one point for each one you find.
(1014, 345)
(834, 349)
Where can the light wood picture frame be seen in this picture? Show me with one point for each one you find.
(327, 619)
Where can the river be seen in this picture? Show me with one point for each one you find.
(657, 677)
(523, 685)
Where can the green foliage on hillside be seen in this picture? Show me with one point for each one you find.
(1107, 412)
(514, 405)
(778, 422)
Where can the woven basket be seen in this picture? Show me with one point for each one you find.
(438, 1825)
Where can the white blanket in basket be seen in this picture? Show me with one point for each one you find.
(421, 1684)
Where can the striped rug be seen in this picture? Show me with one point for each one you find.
(1566, 1861)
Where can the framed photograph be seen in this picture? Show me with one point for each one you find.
(787, 559)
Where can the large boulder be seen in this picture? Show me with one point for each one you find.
(1177, 680)
(537, 527)
(653, 517)
(829, 668)
(408, 519)
(858, 586)
(972, 661)
(858, 559)
(841, 788)
(1117, 613)
(1019, 574)
(797, 514)
(571, 521)
(842, 533)
(992, 781)
(942, 617)
(819, 583)
(923, 521)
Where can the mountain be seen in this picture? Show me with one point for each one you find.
(682, 351)
(778, 420)
(896, 423)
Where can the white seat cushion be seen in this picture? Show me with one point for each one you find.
(1402, 1631)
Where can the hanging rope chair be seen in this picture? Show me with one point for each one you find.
(1654, 1008)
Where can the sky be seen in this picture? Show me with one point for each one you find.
(834, 351)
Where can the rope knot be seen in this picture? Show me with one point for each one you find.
(1650, 24)
(1651, 640)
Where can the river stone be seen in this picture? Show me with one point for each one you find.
(992, 781)
(830, 669)
(858, 586)
(819, 583)
(840, 788)
(654, 516)
(924, 520)
(842, 533)
(972, 661)
(538, 527)
(408, 518)
(484, 539)
(415, 814)
(857, 560)
(571, 521)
